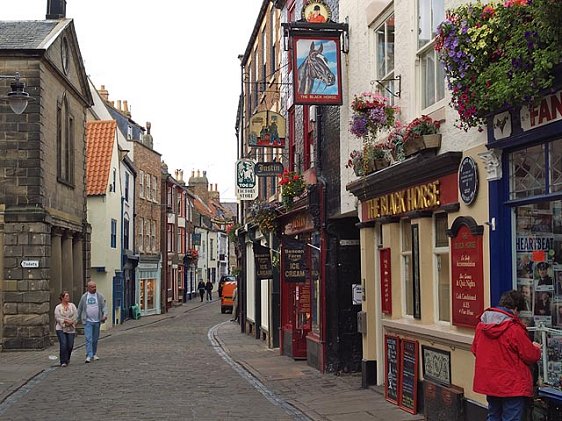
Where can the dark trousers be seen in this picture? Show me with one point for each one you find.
(209, 295)
(506, 409)
(66, 344)
(202, 294)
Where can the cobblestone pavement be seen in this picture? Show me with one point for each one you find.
(189, 364)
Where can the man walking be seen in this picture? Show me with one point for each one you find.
(92, 311)
(209, 288)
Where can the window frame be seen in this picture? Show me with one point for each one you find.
(439, 252)
(385, 79)
(408, 291)
(421, 52)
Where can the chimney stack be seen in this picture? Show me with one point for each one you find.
(126, 108)
(56, 9)
(104, 93)
(118, 106)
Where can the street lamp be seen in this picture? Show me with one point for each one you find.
(17, 97)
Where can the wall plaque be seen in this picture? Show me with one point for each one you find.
(468, 180)
(436, 365)
(467, 272)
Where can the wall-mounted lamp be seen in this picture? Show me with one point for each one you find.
(17, 97)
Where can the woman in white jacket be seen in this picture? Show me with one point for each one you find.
(66, 316)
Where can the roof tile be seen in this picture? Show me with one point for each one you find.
(100, 137)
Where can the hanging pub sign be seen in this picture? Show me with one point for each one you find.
(262, 259)
(268, 169)
(467, 271)
(267, 130)
(316, 12)
(316, 69)
(246, 182)
(294, 260)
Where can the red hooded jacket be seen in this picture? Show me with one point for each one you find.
(503, 353)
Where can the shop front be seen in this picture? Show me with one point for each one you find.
(148, 287)
(423, 254)
(300, 287)
(526, 208)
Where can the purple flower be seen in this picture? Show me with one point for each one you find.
(377, 116)
(358, 125)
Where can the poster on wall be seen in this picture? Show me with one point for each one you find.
(386, 281)
(467, 271)
(316, 69)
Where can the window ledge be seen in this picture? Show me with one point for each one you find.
(434, 333)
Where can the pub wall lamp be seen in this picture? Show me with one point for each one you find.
(17, 97)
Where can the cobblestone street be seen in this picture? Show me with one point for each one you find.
(190, 364)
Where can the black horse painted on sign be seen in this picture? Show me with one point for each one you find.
(314, 67)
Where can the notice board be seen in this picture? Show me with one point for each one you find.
(391, 367)
(408, 378)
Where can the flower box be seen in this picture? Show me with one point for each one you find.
(414, 145)
(432, 141)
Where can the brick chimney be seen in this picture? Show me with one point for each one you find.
(56, 9)
(104, 93)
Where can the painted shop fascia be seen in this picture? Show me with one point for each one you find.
(525, 143)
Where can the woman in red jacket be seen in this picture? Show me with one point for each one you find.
(504, 353)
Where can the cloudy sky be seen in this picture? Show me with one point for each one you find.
(175, 62)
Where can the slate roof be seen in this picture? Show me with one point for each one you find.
(25, 35)
(100, 138)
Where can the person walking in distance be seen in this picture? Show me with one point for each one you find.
(209, 289)
(201, 289)
(92, 311)
(66, 316)
(504, 354)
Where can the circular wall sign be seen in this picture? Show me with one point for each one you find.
(468, 180)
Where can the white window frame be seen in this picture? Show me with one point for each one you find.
(389, 74)
(141, 184)
(140, 239)
(421, 52)
(403, 269)
(440, 252)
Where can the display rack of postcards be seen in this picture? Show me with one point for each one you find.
(550, 365)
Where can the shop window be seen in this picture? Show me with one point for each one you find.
(407, 273)
(528, 172)
(441, 253)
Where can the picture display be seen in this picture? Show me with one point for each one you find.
(538, 248)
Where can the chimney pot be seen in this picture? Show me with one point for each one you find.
(56, 9)
(119, 104)
(104, 93)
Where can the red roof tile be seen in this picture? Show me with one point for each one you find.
(100, 137)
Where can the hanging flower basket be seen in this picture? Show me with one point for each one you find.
(499, 55)
(292, 185)
(265, 215)
(370, 114)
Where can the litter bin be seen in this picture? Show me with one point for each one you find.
(135, 310)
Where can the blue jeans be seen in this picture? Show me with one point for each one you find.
(66, 344)
(92, 334)
(506, 409)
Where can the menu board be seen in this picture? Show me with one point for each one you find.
(467, 273)
(408, 396)
(391, 354)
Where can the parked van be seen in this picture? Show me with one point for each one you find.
(227, 302)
